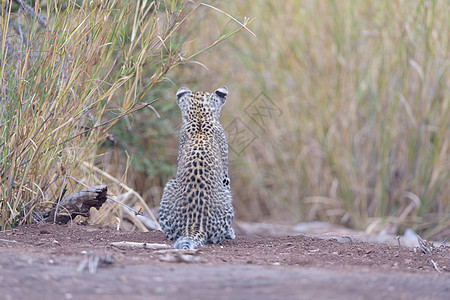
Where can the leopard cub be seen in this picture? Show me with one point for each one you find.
(196, 207)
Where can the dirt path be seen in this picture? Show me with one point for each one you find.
(41, 261)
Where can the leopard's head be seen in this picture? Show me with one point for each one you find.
(201, 107)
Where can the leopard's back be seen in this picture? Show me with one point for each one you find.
(196, 206)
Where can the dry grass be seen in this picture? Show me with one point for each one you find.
(363, 137)
(359, 135)
(65, 83)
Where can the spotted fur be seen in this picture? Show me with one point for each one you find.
(196, 207)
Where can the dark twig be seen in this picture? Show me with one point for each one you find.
(113, 119)
(137, 213)
(61, 195)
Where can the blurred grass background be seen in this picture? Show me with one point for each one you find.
(355, 130)
(338, 111)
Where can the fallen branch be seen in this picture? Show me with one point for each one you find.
(77, 204)
(173, 250)
(181, 257)
(148, 222)
(140, 245)
(434, 264)
(8, 241)
(425, 246)
(127, 188)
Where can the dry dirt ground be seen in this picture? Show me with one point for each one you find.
(47, 261)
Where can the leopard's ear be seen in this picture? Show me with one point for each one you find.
(221, 96)
(181, 92)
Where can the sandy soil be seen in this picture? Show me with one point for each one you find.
(46, 262)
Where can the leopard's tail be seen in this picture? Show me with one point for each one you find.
(189, 242)
(185, 243)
